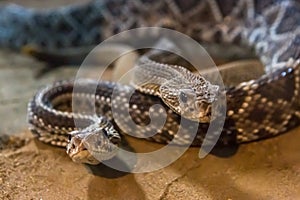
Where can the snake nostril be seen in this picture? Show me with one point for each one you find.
(115, 140)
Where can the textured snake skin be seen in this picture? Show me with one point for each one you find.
(256, 109)
(51, 120)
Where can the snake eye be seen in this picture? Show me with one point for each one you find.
(183, 97)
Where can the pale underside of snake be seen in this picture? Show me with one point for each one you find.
(256, 109)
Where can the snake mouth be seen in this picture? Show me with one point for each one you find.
(84, 156)
(199, 111)
(205, 114)
(79, 153)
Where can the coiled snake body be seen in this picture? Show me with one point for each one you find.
(256, 109)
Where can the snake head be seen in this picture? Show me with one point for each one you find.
(191, 99)
(93, 144)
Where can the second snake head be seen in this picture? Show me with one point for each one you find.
(93, 144)
(191, 98)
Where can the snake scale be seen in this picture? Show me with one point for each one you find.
(256, 109)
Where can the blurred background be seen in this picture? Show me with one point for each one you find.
(22, 75)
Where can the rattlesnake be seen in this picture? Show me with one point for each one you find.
(256, 109)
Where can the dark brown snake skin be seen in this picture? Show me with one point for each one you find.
(256, 109)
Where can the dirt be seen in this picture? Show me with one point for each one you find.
(268, 169)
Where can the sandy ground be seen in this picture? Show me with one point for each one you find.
(268, 169)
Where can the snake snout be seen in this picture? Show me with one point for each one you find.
(204, 109)
(115, 140)
(212, 93)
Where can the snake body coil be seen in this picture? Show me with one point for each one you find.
(256, 109)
